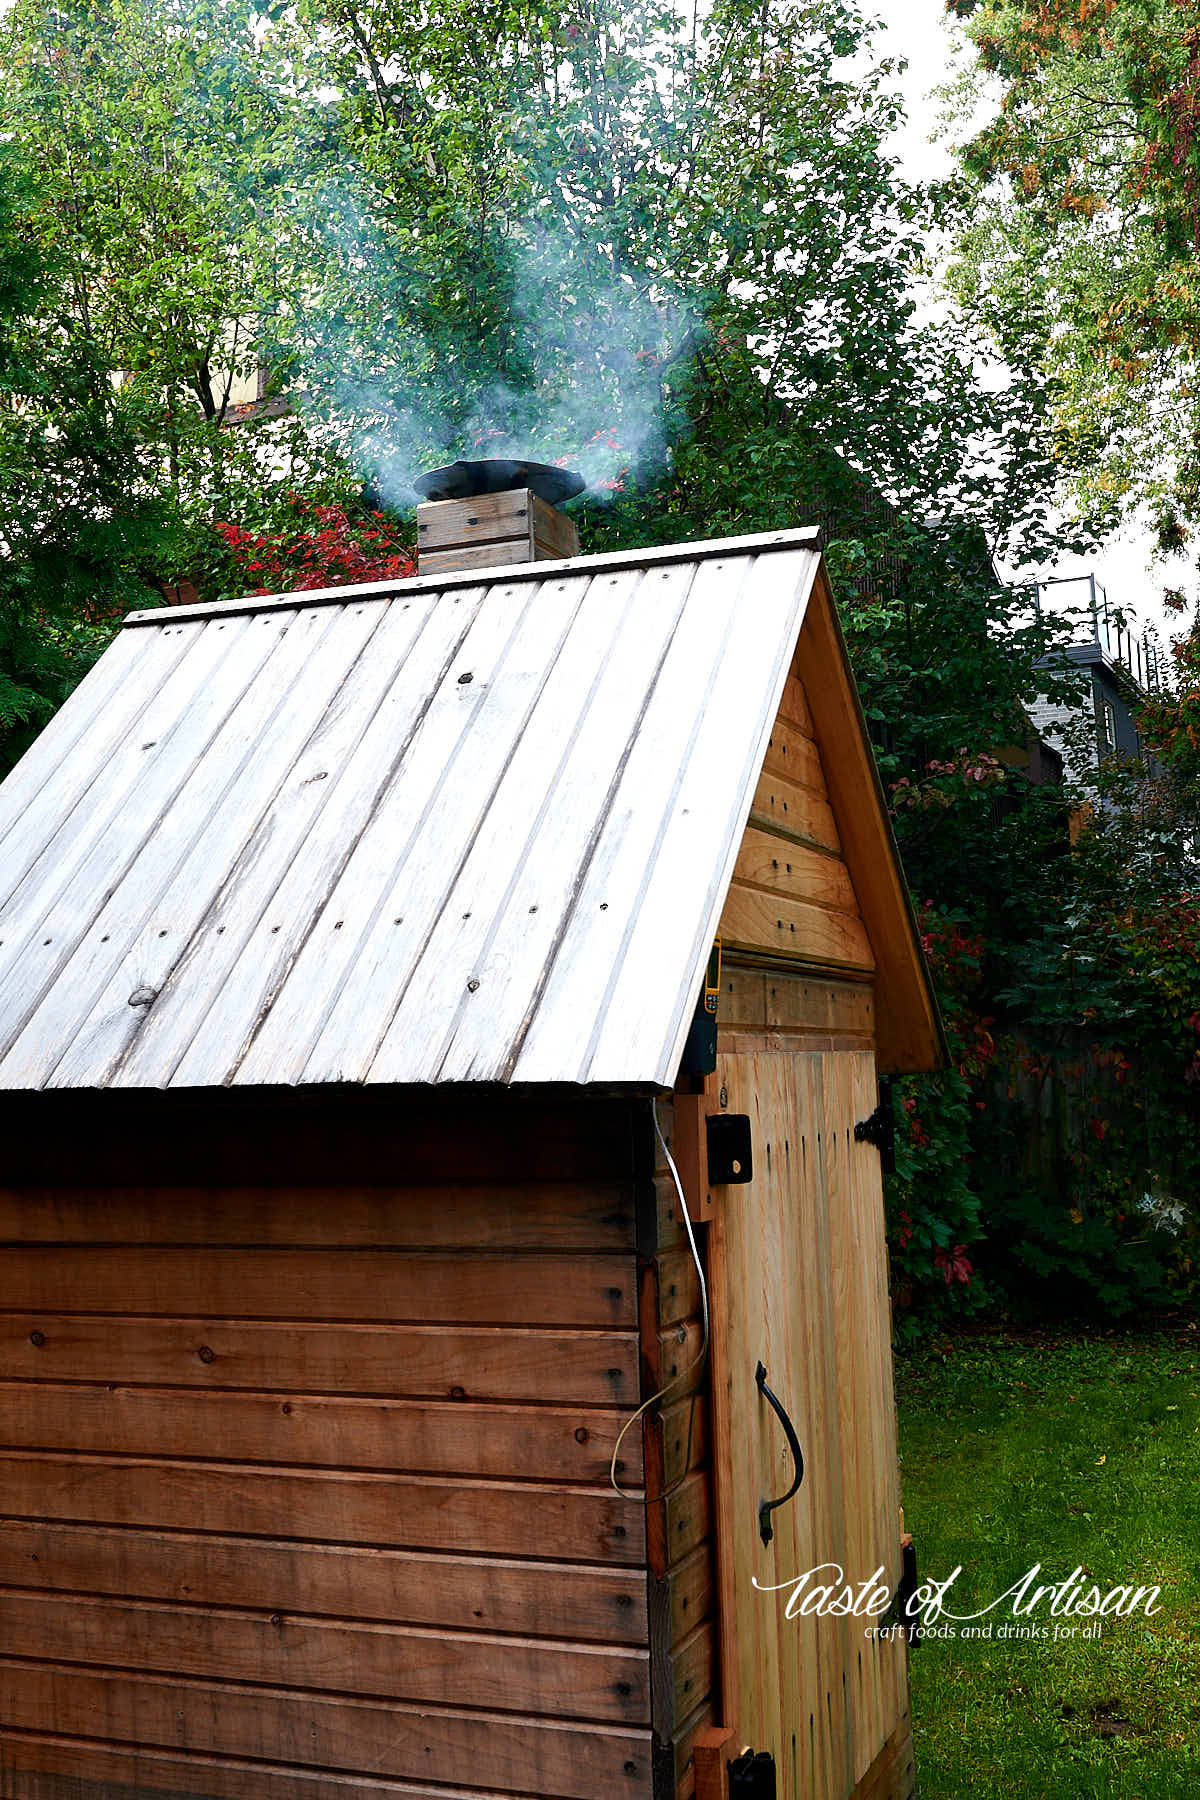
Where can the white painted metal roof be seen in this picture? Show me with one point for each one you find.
(471, 828)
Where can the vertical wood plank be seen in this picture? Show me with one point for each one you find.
(799, 1278)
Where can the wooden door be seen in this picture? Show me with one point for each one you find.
(799, 1281)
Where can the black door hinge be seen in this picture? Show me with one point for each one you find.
(752, 1776)
(880, 1128)
(904, 1613)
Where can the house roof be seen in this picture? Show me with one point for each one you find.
(476, 827)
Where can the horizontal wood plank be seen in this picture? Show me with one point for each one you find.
(37, 1766)
(743, 996)
(687, 1518)
(786, 807)
(679, 1348)
(443, 523)
(464, 1363)
(678, 1286)
(794, 706)
(692, 1667)
(792, 870)
(358, 1139)
(381, 1738)
(539, 1443)
(792, 753)
(339, 1580)
(282, 1649)
(690, 1589)
(837, 1006)
(502, 1519)
(494, 553)
(774, 926)
(668, 1223)
(527, 1289)
(684, 1429)
(535, 1216)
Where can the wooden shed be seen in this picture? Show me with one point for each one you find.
(350, 944)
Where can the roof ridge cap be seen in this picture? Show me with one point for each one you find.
(805, 537)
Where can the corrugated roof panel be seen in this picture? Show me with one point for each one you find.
(445, 832)
(519, 953)
(253, 931)
(123, 785)
(723, 679)
(338, 999)
(257, 753)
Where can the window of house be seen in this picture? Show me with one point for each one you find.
(1108, 725)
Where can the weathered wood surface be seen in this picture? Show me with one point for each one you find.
(285, 1649)
(799, 1281)
(595, 1368)
(542, 1443)
(530, 1215)
(331, 1494)
(411, 1587)
(456, 534)
(441, 524)
(365, 1285)
(45, 1767)
(515, 1518)
(329, 1731)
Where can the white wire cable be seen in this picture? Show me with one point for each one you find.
(692, 1368)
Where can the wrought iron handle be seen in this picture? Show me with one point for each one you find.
(767, 1507)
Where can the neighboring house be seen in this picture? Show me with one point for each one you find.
(1120, 667)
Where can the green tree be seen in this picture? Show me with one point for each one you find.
(81, 514)
(1076, 223)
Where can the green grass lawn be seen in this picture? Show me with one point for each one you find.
(1059, 1451)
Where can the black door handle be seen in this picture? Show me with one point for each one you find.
(767, 1507)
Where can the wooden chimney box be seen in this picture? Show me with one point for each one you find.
(491, 529)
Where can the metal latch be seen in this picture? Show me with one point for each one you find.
(730, 1148)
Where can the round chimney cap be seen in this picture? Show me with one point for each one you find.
(496, 475)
